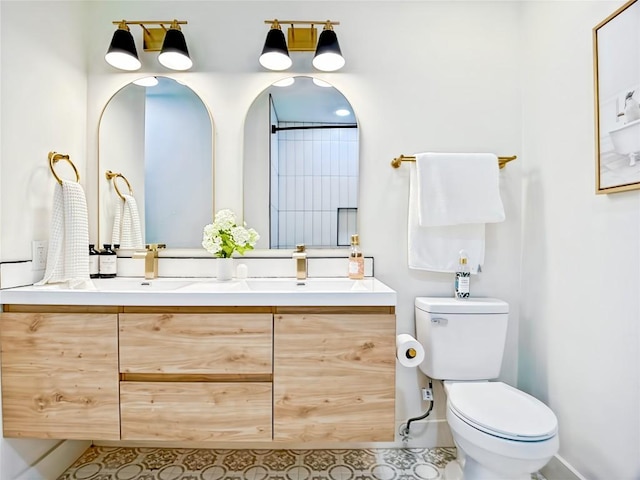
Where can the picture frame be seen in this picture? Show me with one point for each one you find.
(616, 60)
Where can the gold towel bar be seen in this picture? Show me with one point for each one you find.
(114, 176)
(395, 163)
(54, 157)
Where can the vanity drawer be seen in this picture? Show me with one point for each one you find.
(214, 344)
(195, 411)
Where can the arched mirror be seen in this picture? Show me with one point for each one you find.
(301, 166)
(160, 140)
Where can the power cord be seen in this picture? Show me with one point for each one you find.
(405, 429)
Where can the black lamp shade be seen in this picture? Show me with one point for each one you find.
(275, 54)
(174, 54)
(122, 53)
(328, 57)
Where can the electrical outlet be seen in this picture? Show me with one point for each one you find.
(427, 394)
(38, 254)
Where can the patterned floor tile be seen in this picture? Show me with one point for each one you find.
(116, 463)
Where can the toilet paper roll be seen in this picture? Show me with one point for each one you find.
(409, 351)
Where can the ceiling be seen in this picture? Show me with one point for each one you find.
(304, 101)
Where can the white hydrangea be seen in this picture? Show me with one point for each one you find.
(224, 219)
(223, 237)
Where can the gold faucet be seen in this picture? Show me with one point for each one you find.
(300, 257)
(150, 256)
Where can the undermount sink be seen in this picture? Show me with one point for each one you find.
(250, 285)
(309, 285)
(139, 285)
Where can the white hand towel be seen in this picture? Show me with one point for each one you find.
(68, 255)
(131, 230)
(116, 232)
(127, 230)
(437, 248)
(458, 188)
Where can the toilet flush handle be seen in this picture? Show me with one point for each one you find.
(439, 321)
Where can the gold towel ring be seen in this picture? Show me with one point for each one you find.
(54, 157)
(113, 176)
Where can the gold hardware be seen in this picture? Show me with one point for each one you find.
(54, 157)
(114, 176)
(150, 256)
(152, 38)
(302, 39)
(396, 162)
(300, 256)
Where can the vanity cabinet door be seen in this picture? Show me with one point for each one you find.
(334, 377)
(60, 375)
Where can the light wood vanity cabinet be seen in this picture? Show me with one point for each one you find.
(334, 377)
(199, 373)
(197, 377)
(60, 375)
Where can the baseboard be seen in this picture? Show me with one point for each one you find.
(559, 469)
(56, 461)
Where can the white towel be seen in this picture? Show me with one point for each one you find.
(437, 248)
(127, 231)
(68, 254)
(458, 188)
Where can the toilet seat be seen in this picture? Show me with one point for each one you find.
(502, 411)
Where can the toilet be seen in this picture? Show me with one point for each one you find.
(500, 431)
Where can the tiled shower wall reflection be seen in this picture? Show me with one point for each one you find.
(317, 174)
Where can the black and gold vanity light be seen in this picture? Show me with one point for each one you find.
(328, 57)
(169, 42)
(122, 53)
(174, 53)
(275, 54)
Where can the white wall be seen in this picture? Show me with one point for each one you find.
(579, 332)
(178, 170)
(44, 98)
(452, 82)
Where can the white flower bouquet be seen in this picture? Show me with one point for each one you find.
(224, 236)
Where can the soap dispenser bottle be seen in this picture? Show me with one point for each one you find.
(356, 260)
(463, 277)
(108, 262)
(94, 261)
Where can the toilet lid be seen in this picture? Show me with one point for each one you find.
(501, 410)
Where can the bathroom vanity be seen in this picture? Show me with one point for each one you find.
(200, 360)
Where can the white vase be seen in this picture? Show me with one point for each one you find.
(225, 269)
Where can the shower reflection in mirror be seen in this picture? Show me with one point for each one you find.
(304, 138)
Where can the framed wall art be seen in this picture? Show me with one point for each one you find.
(616, 47)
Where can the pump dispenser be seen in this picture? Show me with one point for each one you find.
(463, 277)
(356, 260)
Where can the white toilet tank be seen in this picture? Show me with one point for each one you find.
(462, 339)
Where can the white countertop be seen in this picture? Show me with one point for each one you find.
(130, 291)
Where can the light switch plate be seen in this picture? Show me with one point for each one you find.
(39, 254)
